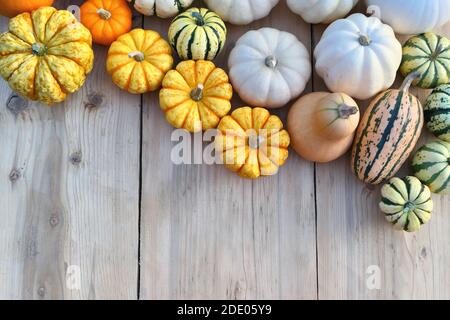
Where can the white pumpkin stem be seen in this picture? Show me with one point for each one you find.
(271, 62)
(374, 11)
(197, 93)
(137, 55)
(364, 40)
(104, 14)
(345, 111)
(409, 80)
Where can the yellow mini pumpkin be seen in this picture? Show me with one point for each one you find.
(196, 95)
(139, 60)
(46, 54)
(252, 142)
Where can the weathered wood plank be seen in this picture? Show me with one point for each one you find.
(209, 234)
(69, 186)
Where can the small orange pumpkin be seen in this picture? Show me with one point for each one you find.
(106, 19)
(11, 8)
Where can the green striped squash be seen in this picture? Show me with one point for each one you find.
(431, 165)
(387, 134)
(197, 34)
(428, 54)
(437, 112)
(406, 203)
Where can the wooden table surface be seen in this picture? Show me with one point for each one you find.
(93, 208)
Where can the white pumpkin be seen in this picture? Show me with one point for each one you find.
(358, 56)
(412, 16)
(241, 12)
(162, 8)
(269, 67)
(321, 11)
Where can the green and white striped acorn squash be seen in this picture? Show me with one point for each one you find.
(431, 165)
(428, 54)
(406, 203)
(437, 112)
(387, 134)
(197, 34)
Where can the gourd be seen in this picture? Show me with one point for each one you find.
(198, 34)
(161, 8)
(437, 112)
(322, 125)
(412, 16)
(106, 19)
(321, 11)
(196, 95)
(428, 54)
(241, 12)
(11, 8)
(431, 165)
(358, 56)
(139, 60)
(387, 134)
(46, 55)
(269, 67)
(406, 203)
(252, 143)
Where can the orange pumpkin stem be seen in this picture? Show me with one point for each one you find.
(137, 55)
(346, 111)
(197, 93)
(409, 80)
(104, 14)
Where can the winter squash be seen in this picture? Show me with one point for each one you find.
(387, 134)
(11, 8)
(252, 143)
(139, 60)
(46, 55)
(428, 54)
(269, 67)
(198, 34)
(241, 12)
(412, 16)
(437, 112)
(161, 8)
(196, 95)
(322, 125)
(321, 11)
(358, 56)
(431, 165)
(406, 203)
(106, 19)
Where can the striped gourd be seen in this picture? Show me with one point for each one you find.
(437, 112)
(406, 203)
(428, 54)
(387, 134)
(431, 165)
(197, 34)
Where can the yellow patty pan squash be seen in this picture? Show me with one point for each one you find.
(196, 95)
(46, 54)
(139, 60)
(252, 142)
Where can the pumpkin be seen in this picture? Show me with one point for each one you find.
(11, 8)
(437, 112)
(252, 143)
(387, 134)
(241, 12)
(412, 16)
(269, 67)
(106, 19)
(322, 125)
(139, 60)
(196, 95)
(428, 54)
(46, 55)
(358, 56)
(321, 11)
(406, 203)
(431, 165)
(162, 8)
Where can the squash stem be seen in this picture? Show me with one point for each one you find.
(137, 55)
(436, 53)
(364, 40)
(346, 111)
(409, 80)
(271, 62)
(39, 49)
(104, 14)
(197, 93)
(254, 142)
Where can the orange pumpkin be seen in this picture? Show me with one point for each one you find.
(12, 8)
(106, 19)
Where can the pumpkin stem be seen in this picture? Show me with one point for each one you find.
(38, 49)
(346, 111)
(374, 11)
(255, 142)
(409, 80)
(409, 206)
(104, 14)
(137, 55)
(199, 20)
(197, 93)
(436, 53)
(271, 62)
(364, 40)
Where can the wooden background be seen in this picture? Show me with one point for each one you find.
(93, 208)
